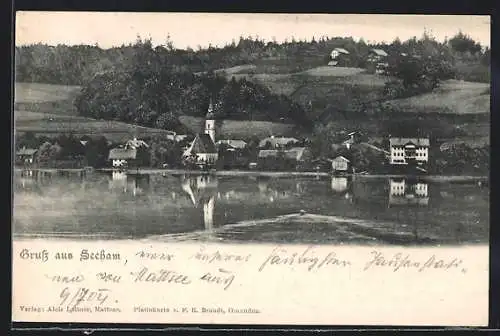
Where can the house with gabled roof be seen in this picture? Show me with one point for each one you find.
(378, 59)
(26, 155)
(341, 164)
(277, 142)
(121, 157)
(339, 57)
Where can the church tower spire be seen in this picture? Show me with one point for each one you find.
(210, 121)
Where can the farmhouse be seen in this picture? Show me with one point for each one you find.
(340, 165)
(403, 192)
(377, 58)
(273, 142)
(293, 158)
(202, 152)
(26, 155)
(404, 151)
(122, 157)
(339, 57)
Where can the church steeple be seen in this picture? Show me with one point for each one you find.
(210, 111)
(210, 121)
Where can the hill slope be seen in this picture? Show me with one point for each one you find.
(48, 109)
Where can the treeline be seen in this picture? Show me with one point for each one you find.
(76, 65)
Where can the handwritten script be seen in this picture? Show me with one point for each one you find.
(219, 279)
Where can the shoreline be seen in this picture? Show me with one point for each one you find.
(250, 173)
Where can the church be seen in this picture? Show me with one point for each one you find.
(202, 151)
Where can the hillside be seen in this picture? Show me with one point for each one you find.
(454, 97)
(48, 109)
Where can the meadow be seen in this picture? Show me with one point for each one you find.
(47, 109)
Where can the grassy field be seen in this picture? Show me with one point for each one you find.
(48, 109)
(455, 97)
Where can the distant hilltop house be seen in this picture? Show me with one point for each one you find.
(378, 60)
(339, 57)
(232, 144)
(402, 192)
(127, 155)
(273, 142)
(404, 151)
(26, 155)
(203, 152)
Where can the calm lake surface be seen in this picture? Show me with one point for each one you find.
(249, 209)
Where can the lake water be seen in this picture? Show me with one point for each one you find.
(250, 209)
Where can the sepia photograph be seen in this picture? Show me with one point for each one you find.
(265, 139)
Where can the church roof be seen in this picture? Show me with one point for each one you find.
(201, 144)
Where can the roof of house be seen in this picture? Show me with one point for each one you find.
(404, 141)
(295, 153)
(341, 158)
(275, 141)
(26, 151)
(341, 50)
(122, 153)
(263, 153)
(233, 143)
(136, 143)
(379, 52)
(202, 143)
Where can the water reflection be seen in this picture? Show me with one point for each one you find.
(202, 190)
(408, 192)
(127, 183)
(143, 205)
(342, 186)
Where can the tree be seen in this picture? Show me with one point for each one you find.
(464, 43)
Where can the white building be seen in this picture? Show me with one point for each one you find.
(406, 150)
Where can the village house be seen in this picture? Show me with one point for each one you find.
(405, 151)
(378, 60)
(352, 138)
(293, 158)
(341, 165)
(203, 152)
(26, 156)
(403, 192)
(339, 57)
(273, 142)
(128, 154)
(122, 157)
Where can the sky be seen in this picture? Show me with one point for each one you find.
(108, 29)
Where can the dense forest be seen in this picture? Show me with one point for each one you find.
(77, 65)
